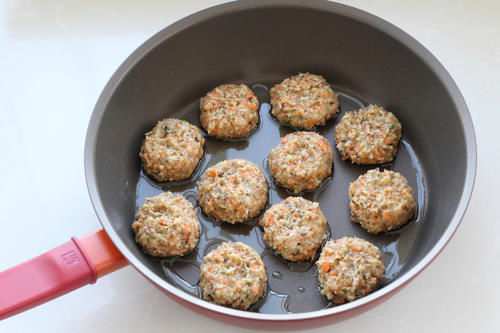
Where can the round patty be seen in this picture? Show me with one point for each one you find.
(368, 136)
(233, 191)
(349, 268)
(166, 225)
(229, 111)
(295, 228)
(301, 161)
(303, 101)
(172, 150)
(233, 275)
(381, 201)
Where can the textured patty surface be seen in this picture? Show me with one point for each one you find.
(229, 111)
(368, 136)
(381, 200)
(233, 275)
(166, 225)
(349, 268)
(172, 150)
(295, 228)
(303, 101)
(301, 161)
(233, 191)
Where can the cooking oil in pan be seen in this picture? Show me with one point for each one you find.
(292, 287)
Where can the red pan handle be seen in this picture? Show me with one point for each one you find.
(65, 268)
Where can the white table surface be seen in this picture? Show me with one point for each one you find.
(55, 58)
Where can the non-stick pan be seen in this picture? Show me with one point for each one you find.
(366, 59)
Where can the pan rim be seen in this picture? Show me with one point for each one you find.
(339, 9)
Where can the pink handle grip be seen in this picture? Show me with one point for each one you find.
(50, 275)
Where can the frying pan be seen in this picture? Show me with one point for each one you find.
(259, 43)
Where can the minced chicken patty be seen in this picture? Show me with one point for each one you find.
(166, 225)
(229, 111)
(233, 191)
(295, 228)
(349, 268)
(303, 101)
(233, 275)
(368, 136)
(301, 161)
(381, 201)
(172, 150)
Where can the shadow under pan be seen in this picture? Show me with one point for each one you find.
(260, 43)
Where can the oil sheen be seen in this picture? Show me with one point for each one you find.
(292, 287)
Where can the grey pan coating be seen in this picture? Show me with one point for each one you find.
(263, 42)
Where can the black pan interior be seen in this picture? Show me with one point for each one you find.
(262, 46)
